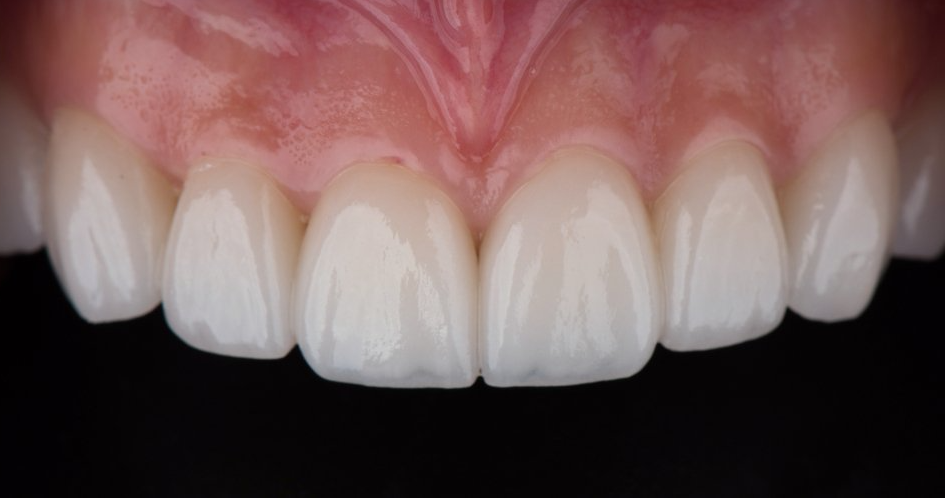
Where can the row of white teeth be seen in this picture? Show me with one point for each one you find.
(576, 279)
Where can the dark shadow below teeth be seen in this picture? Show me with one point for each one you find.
(851, 409)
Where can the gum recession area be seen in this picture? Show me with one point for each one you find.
(305, 89)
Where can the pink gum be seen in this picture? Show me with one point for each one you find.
(306, 89)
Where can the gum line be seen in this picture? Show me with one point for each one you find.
(181, 90)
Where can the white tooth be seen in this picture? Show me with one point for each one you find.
(230, 262)
(107, 215)
(23, 142)
(722, 250)
(838, 216)
(921, 228)
(386, 291)
(570, 288)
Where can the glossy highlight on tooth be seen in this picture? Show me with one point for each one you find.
(230, 262)
(838, 218)
(570, 290)
(386, 286)
(722, 248)
(108, 212)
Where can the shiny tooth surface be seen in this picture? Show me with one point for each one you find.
(230, 262)
(107, 216)
(838, 217)
(722, 250)
(23, 140)
(920, 231)
(570, 289)
(386, 289)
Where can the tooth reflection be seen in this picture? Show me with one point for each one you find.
(724, 260)
(386, 291)
(838, 217)
(231, 261)
(107, 216)
(570, 291)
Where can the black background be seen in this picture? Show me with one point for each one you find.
(850, 409)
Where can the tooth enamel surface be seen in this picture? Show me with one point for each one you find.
(23, 142)
(230, 262)
(722, 250)
(838, 215)
(107, 215)
(386, 290)
(570, 290)
(921, 228)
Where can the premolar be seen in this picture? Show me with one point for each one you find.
(570, 290)
(838, 216)
(386, 289)
(107, 216)
(722, 249)
(231, 261)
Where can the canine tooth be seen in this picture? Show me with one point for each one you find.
(722, 250)
(230, 262)
(570, 288)
(386, 291)
(920, 231)
(23, 142)
(838, 218)
(107, 215)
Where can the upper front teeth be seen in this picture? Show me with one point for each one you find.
(231, 261)
(720, 235)
(385, 287)
(570, 291)
(107, 216)
(838, 217)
